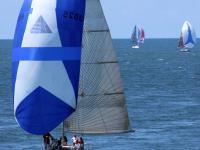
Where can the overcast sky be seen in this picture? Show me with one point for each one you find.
(159, 18)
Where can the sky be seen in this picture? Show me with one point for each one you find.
(159, 18)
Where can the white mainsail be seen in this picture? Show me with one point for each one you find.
(101, 104)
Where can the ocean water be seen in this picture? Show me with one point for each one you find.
(162, 87)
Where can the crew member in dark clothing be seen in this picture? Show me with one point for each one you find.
(81, 142)
(46, 138)
(65, 141)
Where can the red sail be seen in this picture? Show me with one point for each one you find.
(142, 35)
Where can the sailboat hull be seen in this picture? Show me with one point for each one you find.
(135, 46)
(184, 50)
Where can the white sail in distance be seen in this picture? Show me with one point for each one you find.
(188, 36)
(101, 104)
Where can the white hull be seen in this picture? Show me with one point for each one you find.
(135, 46)
(68, 148)
(184, 50)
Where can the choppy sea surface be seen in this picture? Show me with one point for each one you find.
(162, 87)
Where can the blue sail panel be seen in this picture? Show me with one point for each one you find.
(190, 39)
(134, 36)
(21, 22)
(40, 106)
(46, 62)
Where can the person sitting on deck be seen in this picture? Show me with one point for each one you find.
(65, 141)
(60, 144)
(46, 138)
(74, 140)
(81, 142)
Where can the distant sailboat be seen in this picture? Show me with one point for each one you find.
(187, 37)
(137, 37)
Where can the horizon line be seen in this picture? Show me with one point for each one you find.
(120, 38)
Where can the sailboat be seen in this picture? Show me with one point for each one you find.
(138, 36)
(135, 37)
(52, 85)
(187, 38)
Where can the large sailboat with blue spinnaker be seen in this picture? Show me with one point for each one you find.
(57, 78)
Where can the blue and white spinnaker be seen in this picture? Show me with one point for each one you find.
(188, 36)
(46, 62)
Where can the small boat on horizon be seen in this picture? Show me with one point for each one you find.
(137, 37)
(187, 38)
